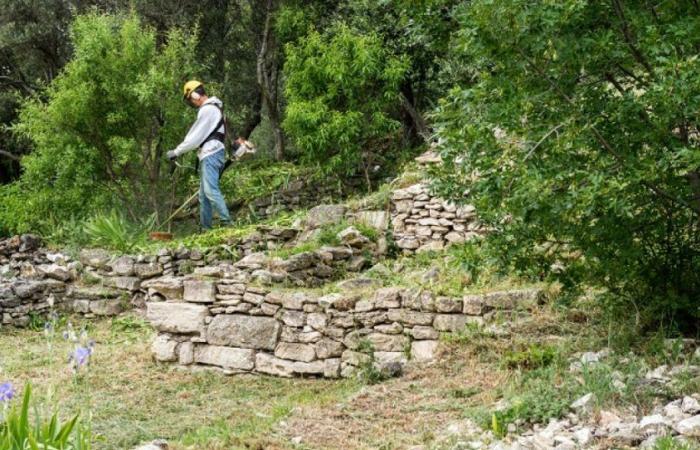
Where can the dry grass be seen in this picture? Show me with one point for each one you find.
(412, 410)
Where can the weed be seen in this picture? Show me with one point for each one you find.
(463, 393)
(368, 371)
(534, 356)
(672, 443)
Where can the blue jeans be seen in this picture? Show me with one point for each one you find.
(209, 192)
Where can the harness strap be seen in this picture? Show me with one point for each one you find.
(216, 135)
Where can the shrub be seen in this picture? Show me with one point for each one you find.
(342, 88)
(577, 142)
(102, 132)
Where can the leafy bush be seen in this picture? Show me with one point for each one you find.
(101, 134)
(342, 88)
(17, 433)
(577, 141)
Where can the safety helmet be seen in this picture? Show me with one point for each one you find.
(189, 87)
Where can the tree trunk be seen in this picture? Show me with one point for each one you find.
(253, 120)
(267, 72)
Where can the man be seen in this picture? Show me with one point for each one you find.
(208, 133)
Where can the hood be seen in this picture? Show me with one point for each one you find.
(214, 100)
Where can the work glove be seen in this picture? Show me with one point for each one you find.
(172, 156)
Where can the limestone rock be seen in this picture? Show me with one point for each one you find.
(584, 403)
(182, 318)
(56, 272)
(689, 427)
(689, 405)
(328, 348)
(388, 342)
(164, 349)
(169, 287)
(317, 321)
(331, 368)
(96, 257)
(199, 291)
(158, 444)
(387, 298)
(309, 368)
(296, 352)
(237, 330)
(378, 220)
(424, 351)
(453, 322)
(409, 317)
(226, 357)
(321, 215)
(123, 266)
(266, 363)
(390, 364)
(448, 305)
(253, 261)
(294, 318)
(424, 333)
(127, 283)
(106, 307)
(147, 270)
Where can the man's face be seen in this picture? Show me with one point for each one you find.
(195, 100)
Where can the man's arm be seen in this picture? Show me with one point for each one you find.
(207, 119)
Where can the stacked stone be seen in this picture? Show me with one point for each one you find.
(31, 280)
(237, 326)
(295, 196)
(423, 222)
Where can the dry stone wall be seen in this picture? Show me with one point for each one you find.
(422, 222)
(223, 321)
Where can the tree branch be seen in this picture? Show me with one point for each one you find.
(603, 142)
(629, 39)
(11, 156)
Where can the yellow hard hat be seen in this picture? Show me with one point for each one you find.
(190, 86)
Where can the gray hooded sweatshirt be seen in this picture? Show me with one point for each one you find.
(208, 116)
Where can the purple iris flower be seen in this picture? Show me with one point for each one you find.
(6, 392)
(82, 356)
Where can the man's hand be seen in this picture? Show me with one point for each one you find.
(172, 156)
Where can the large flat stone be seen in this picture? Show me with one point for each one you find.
(226, 357)
(174, 317)
(321, 215)
(107, 307)
(266, 363)
(244, 331)
(406, 316)
(199, 291)
(296, 352)
(169, 287)
(123, 266)
(454, 322)
(388, 342)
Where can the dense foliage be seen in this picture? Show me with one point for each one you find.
(578, 141)
(100, 137)
(572, 125)
(341, 89)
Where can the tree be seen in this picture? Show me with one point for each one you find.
(341, 91)
(101, 135)
(580, 136)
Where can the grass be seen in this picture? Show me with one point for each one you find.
(134, 399)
